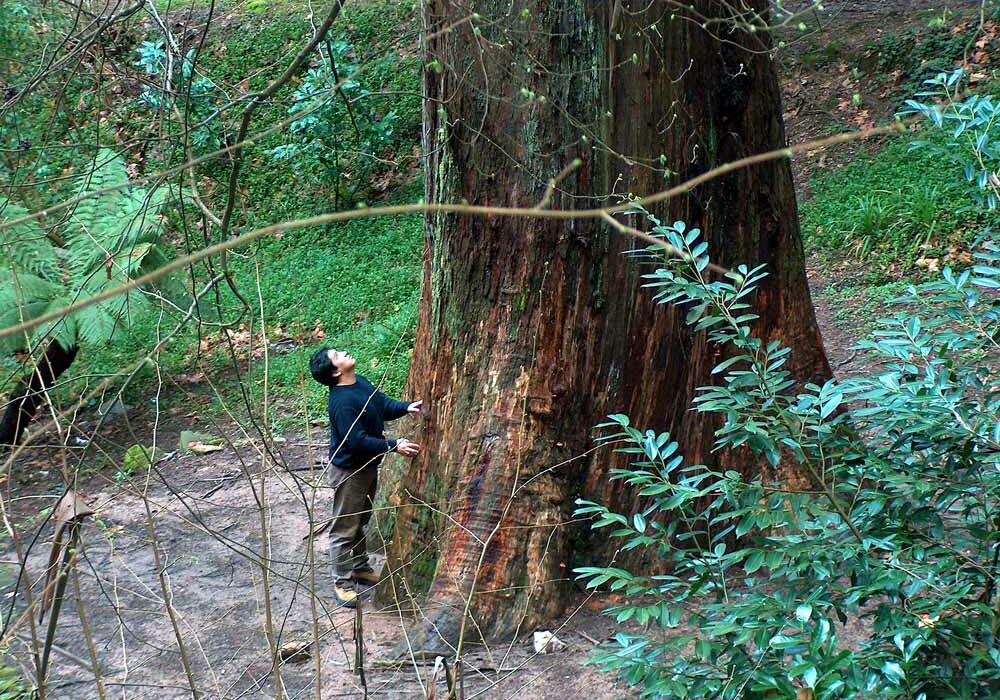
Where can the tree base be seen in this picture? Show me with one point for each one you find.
(437, 632)
(27, 395)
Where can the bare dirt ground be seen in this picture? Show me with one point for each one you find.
(207, 531)
(825, 91)
(201, 540)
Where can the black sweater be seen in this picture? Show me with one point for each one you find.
(357, 418)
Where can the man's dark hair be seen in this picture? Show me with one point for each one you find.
(321, 368)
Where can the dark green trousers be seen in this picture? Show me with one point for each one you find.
(353, 498)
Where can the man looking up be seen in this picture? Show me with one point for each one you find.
(358, 413)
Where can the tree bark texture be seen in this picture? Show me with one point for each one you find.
(29, 393)
(532, 330)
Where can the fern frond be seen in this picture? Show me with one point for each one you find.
(94, 324)
(110, 237)
(105, 229)
(63, 329)
(93, 213)
(25, 246)
(131, 259)
(23, 296)
(141, 208)
(154, 259)
(112, 314)
(18, 288)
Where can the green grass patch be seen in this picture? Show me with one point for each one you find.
(890, 208)
(358, 282)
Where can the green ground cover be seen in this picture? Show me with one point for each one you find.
(889, 208)
(884, 221)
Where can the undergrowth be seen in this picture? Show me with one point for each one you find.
(891, 209)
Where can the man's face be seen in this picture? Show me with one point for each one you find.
(341, 361)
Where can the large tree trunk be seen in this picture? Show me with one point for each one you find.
(27, 396)
(531, 330)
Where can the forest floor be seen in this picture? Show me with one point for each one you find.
(207, 526)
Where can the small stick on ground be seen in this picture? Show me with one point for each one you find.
(359, 645)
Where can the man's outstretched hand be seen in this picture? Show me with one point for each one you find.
(407, 448)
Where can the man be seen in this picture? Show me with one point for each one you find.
(357, 445)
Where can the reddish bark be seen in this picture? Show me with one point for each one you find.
(532, 330)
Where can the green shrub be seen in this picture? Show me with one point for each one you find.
(343, 132)
(898, 527)
(181, 95)
(15, 32)
(972, 129)
(894, 532)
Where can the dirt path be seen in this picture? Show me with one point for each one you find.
(209, 545)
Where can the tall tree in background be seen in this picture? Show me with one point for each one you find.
(531, 330)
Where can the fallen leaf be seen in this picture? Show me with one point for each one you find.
(200, 443)
(963, 257)
(294, 652)
(930, 263)
(201, 448)
(927, 621)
